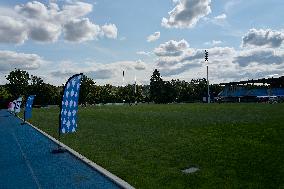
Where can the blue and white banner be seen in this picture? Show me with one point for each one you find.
(29, 107)
(11, 106)
(69, 107)
(18, 105)
(15, 106)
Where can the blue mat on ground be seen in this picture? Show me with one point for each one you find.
(26, 161)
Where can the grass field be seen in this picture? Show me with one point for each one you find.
(234, 145)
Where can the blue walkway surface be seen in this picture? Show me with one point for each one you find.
(26, 161)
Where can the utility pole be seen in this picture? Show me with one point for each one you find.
(208, 92)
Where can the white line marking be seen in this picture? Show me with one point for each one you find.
(27, 161)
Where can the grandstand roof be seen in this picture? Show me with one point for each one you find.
(274, 81)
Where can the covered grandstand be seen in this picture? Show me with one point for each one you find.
(260, 90)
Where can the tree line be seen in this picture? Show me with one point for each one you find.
(20, 82)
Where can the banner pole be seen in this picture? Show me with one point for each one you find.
(59, 149)
(59, 130)
(24, 121)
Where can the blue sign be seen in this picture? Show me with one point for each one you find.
(69, 106)
(29, 106)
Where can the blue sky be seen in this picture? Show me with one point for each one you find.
(55, 39)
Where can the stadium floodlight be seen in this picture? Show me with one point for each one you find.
(206, 56)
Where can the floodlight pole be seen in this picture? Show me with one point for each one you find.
(208, 92)
(135, 91)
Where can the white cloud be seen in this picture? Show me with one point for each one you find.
(45, 23)
(33, 10)
(81, 30)
(140, 65)
(45, 32)
(110, 30)
(12, 30)
(225, 63)
(213, 42)
(10, 60)
(259, 56)
(263, 38)
(101, 74)
(94, 74)
(144, 53)
(192, 58)
(171, 48)
(220, 19)
(104, 72)
(74, 10)
(153, 37)
(187, 13)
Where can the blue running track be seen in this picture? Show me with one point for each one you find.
(26, 161)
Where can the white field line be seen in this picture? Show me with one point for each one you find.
(100, 169)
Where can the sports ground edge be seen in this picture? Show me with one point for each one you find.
(95, 166)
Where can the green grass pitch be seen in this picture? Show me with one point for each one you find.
(233, 145)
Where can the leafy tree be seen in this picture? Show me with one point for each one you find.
(200, 88)
(156, 87)
(145, 93)
(169, 92)
(51, 94)
(18, 82)
(87, 90)
(215, 89)
(106, 94)
(4, 93)
(5, 97)
(37, 88)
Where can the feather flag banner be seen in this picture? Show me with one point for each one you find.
(69, 106)
(15, 106)
(18, 104)
(11, 106)
(29, 105)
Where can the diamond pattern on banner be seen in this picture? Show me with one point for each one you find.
(69, 107)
